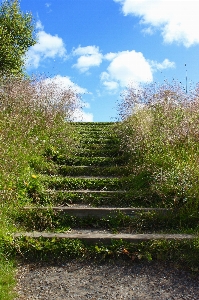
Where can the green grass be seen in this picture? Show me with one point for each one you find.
(141, 222)
(181, 253)
(90, 161)
(7, 279)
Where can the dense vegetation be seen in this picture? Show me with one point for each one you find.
(159, 139)
(32, 122)
(159, 134)
(160, 130)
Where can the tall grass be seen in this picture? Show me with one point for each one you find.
(160, 129)
(34, 120)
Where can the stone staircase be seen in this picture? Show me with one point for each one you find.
(90, 198)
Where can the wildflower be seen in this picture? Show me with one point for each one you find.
(34, 176)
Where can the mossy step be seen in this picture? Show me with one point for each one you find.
(91, 161)
(113, 152)
(93, 171)
(96, 212)
(96, 131)
(99, 140)
(91, 183)
(92, 123)
(88, 191)
(96, 146)
(105, 133)
(92, 197)
(105, 238)
(96, 198)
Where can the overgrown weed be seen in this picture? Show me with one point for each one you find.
(160, 129)
(34, 117)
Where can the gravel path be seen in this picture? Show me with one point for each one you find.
(114, 280)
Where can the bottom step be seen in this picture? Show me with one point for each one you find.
(106, 238)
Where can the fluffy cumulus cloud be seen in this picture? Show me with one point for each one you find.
(126, 67)
(166, 64)
(89, 56)
(176, 19)
(47, 46)
(130, 67)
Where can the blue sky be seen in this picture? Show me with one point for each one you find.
(99, 47)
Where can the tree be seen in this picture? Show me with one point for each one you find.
(16, 36)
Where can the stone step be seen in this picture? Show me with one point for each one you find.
(92, 124)
(96, 212)
(86, 152)
(86, 191)
(93, 171)
(105, 238)
(88, 183)
(99, 161)
(99, 140)
(86, 177)
(98, 198)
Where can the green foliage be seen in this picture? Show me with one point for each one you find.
(30, 123)
(155, 166)
(183, 252)
(16, 36)
(94, 161)
(160, 131)
(71, 183)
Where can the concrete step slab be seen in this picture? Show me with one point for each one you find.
(87, 191)
(95, 211)
(106, 238)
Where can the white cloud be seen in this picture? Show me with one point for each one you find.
(176, 19)
(104, 76)
(148, 31)
(126, 67)
(130, 67)
(88, 57)
(48, 46)
(110, 56)
(166, 64)
(111, 85)
(64, 83)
